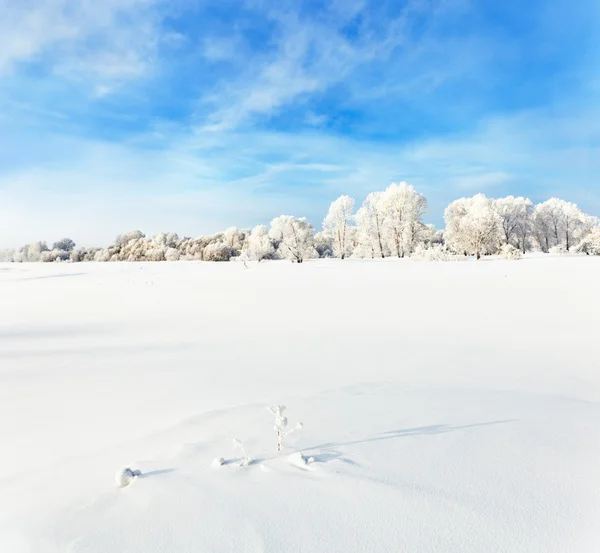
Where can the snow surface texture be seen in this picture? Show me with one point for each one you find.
(447, 407)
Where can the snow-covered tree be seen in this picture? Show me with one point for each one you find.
(472, 225)
(403, 209)
(258, 245)
(31, 252)
(573, 223)
(66, 244)
(338, 220)
(542, 227)
(370, 220)
(515, 220)
(294, 238)
(235, 239)
(123, 239)
(558, 223)
(591, 242)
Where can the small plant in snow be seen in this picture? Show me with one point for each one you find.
(510, 252)
(125, 476)
(245, 459)
(218, 462)
(281, 423)
(299, 460)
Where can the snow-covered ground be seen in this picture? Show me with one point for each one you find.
(449, 407)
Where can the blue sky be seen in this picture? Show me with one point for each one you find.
(191, 116)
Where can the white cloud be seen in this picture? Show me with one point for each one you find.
(106, 41)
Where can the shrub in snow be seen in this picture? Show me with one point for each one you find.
(172, 254)
(559, 249)
(125, 476)
(436, 252)
(281, 423)
(217, 252)
(102, 255)
(153, 253)
(591, 243)
(55, 255)
(510, 252)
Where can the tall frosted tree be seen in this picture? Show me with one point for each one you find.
(515, 220)
(403, 208)
(258, 245)
(558, 223)
(473, 226)
(370, 220)
(295, 238)
(338, 220)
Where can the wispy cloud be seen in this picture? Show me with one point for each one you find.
(306, 56)
(102, 42)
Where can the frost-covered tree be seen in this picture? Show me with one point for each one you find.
(573, 223)
(338, 220)
(217, 251)
(542, 227)
(123, 239)
(258, 245)
(66, 244)
(591, 242)
(403, 208)
(515, 220)
(235, 239)
(294, 238)
(370, 220)
(558, 223)
(472, 225)
(31, 252)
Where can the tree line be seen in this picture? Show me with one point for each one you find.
(388, 223)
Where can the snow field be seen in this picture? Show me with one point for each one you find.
(449, 407)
